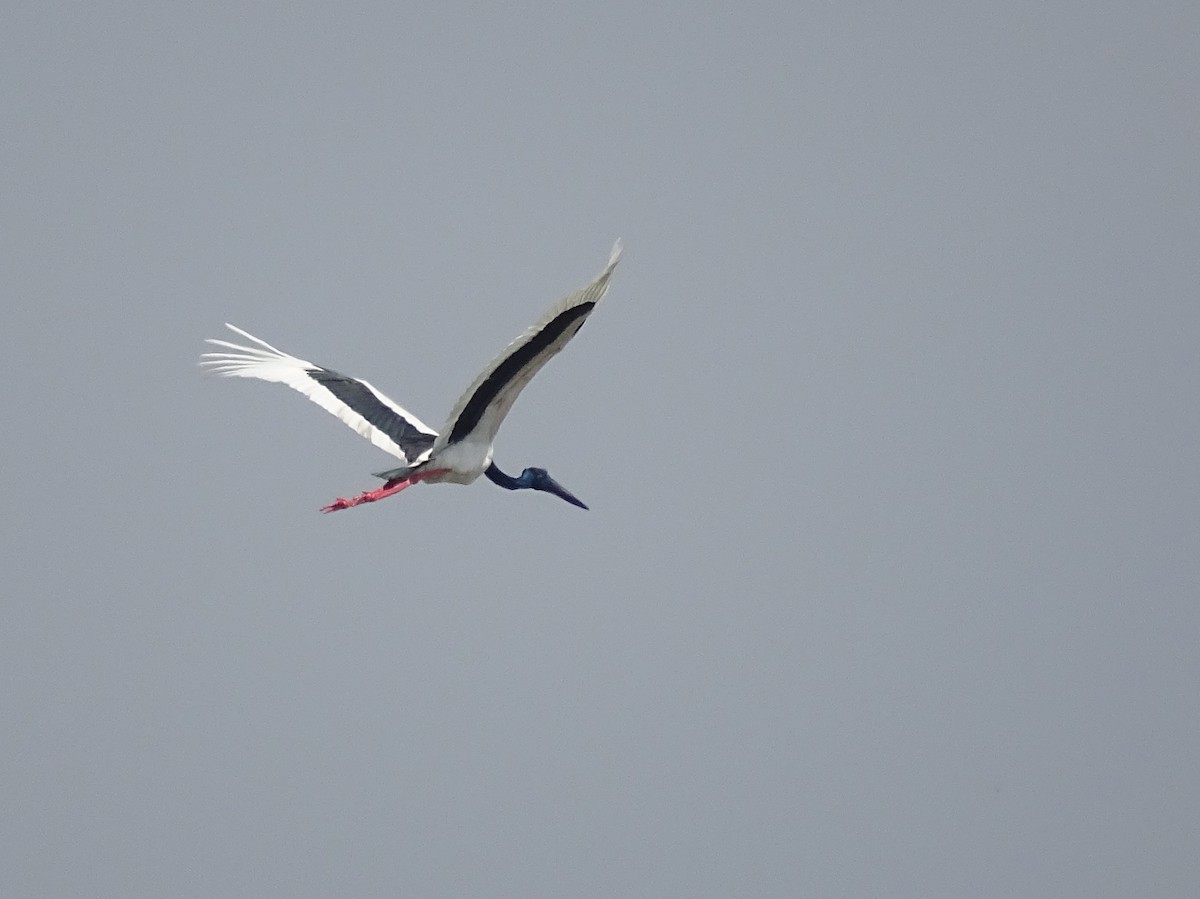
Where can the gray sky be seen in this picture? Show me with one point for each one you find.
(888, 426)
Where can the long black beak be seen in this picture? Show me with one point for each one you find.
(549, 485)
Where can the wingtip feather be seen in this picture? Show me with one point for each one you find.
(615, 256)
(262, 343)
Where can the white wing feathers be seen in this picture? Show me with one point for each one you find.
(477, 414)
(480, 410)
(391, 428)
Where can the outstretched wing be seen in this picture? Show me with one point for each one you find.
(371, 414)
(478, 413)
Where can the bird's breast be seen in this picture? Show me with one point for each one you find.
(466, 460)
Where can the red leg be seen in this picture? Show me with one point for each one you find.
(388, 489)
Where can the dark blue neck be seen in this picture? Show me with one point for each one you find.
(500, 479)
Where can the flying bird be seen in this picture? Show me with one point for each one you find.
(463, 449)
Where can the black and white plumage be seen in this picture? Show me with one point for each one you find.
(463, 449)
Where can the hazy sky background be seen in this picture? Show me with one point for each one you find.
(889, 427)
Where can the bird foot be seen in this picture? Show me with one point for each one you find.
(367, 496)
(341, 503)
(388, 489)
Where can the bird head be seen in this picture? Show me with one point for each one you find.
(539, 479)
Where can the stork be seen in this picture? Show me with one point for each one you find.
(463, 449)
